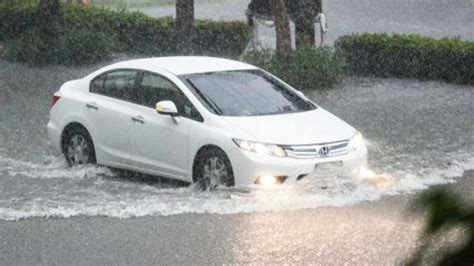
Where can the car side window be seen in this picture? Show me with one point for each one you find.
(154, 88)
(119, 84)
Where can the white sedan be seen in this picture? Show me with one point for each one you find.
(198, 119)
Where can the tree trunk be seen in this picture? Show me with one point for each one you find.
(83, 2)
(48, 13)
(282, 27)
(185, 31)
(307, 10)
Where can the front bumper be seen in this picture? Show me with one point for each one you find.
(248, 166)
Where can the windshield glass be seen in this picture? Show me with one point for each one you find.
(245, 93)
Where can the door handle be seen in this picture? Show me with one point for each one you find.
(138, 119)
(92, 106)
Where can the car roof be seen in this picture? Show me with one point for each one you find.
(181, 65)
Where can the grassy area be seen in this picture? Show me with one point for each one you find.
(116, 4)
(105, 3)
(123, 4)
(132, 3)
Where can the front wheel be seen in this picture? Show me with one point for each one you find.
(213, 169)
(78, 147)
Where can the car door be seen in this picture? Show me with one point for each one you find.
(112, 106)
(159, 143)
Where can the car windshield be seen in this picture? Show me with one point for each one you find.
(245, 93)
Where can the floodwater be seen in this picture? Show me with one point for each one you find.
(419, 134)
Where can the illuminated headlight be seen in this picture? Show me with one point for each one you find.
(356, 141)
(267, 180)
(261, 148)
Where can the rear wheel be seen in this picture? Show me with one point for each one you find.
(213, 169)
(78, 147)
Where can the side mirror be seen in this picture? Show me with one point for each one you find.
(166, 108)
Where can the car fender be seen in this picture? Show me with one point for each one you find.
(208, 136)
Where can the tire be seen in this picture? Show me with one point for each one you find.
(78, 148)
(213, 169)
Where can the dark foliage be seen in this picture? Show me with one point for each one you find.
(445, 211)
(69, 47)
(130, 32)
(409, 56)
(305, 69)
(15, 20)
(263, 8)
(227, 39)
(48, 13)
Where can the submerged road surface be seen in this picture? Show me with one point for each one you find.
(419, 134)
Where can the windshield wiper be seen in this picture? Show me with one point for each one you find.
(208, 100)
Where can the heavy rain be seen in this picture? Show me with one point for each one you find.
(418, 128)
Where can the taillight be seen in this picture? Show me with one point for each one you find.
(55, 99)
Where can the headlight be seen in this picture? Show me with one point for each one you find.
(261, 148)
(356, 141)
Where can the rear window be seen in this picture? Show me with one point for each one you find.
(119, 84)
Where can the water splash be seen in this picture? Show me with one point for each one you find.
(52, 167)
(97, 191)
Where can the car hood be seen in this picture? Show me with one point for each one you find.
(312, 127)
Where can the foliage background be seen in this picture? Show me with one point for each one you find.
(307, 68)
(110, 31)
(408, 56)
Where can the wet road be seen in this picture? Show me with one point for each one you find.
(435, 18)
(419, 134)
(369, 233)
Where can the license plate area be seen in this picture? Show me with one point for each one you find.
(328, 166)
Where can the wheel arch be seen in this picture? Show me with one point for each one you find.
(70, 126)
(198, 154)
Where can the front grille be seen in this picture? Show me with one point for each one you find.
(317, 150)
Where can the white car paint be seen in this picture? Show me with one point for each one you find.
(318, 126)
(160, 146)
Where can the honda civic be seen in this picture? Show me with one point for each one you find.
(205, 120)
